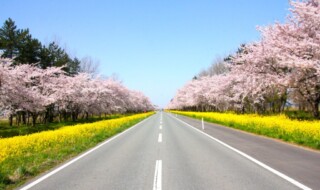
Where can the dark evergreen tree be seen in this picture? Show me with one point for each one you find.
(53, 56)
(19, 45)
(9, 39)
(29, 50)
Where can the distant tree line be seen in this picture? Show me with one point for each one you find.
(265, 76)
(40, 83)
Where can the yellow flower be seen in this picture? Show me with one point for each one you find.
(44, 141)
(296, 130)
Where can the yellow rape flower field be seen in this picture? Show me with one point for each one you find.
(24, 156)
(306, 133)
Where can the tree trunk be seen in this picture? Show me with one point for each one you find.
(59, 114)
(242, 109)
(72, 117)
(18, 116)
(24, 120)
(34, 119)
(315, 109)
(51, 114)
(283, 105)
(10, 119)
(28, 118)
(45, 117)
(65, 116)
(60, 117)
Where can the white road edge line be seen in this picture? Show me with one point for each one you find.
(160, 138)
(79, 157)
(157, 176)
(294, 182)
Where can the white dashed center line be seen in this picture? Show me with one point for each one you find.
(157, 176)
(160, 138)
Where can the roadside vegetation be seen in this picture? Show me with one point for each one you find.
(10, 131)
(54, 106)
(306, 133)
(23, 157)
(270, 86)
(277, 72)
(42, 84)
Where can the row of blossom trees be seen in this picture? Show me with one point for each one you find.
(31, 93)
(284, 64)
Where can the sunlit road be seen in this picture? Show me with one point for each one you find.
(163, 152)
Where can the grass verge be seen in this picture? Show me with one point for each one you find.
(23, 157)
(306, 133)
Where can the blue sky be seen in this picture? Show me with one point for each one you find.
(153, 46)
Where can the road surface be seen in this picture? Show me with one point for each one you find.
(164, 152)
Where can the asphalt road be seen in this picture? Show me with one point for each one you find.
(163, 152)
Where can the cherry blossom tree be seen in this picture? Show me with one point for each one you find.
(293, 51)
(285, 60)
(27, 90)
